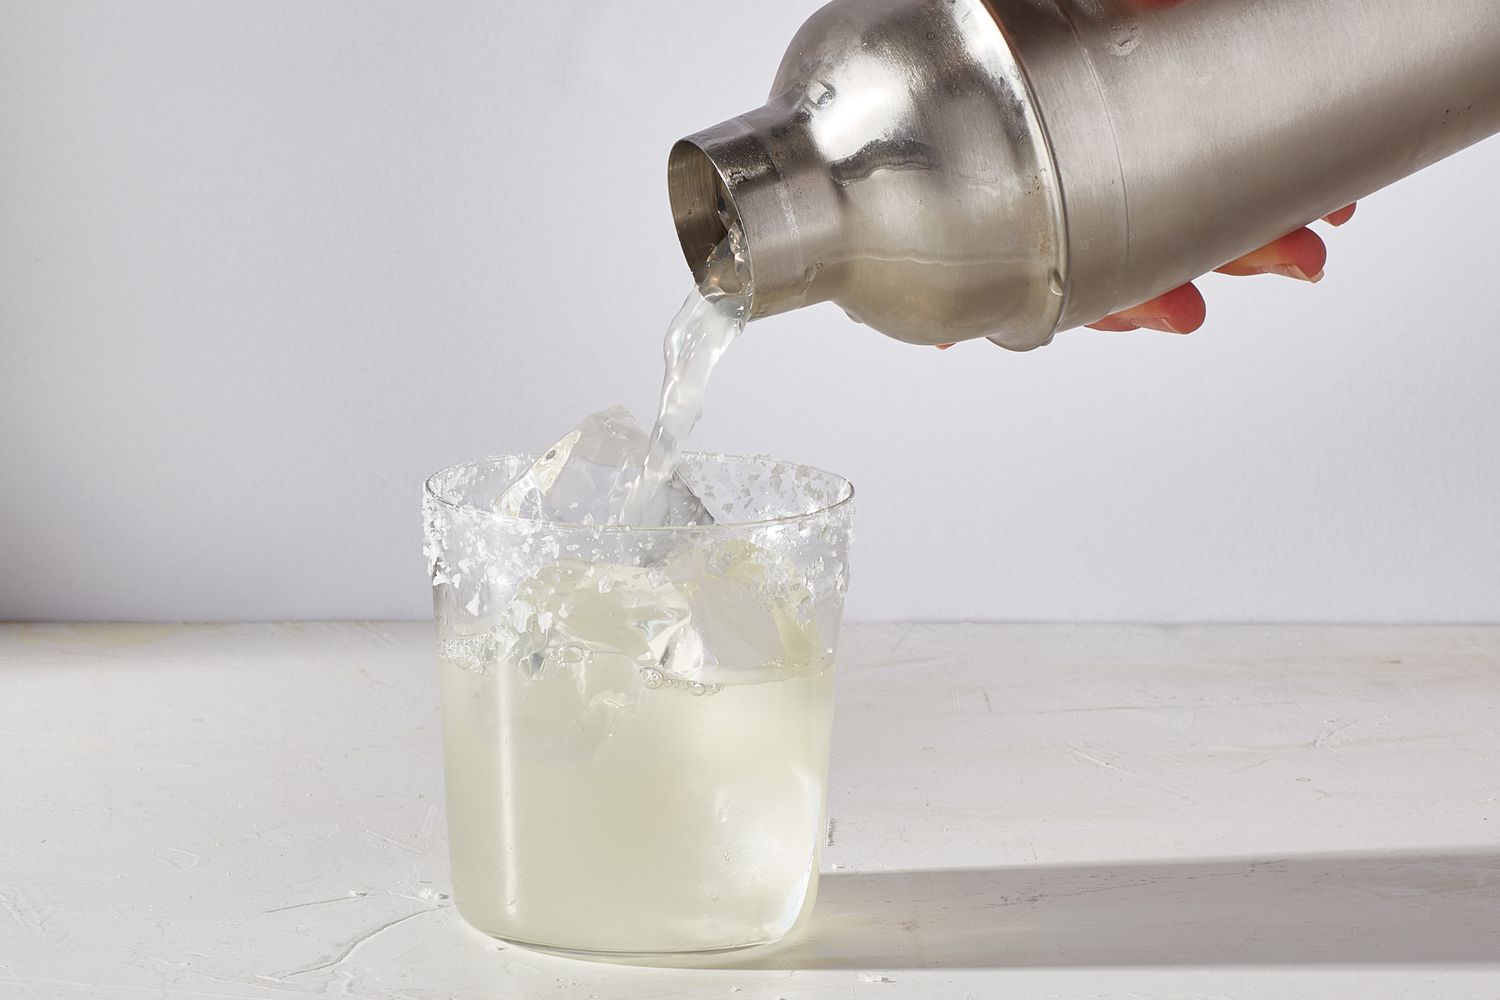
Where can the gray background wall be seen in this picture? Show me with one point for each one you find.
(264, 265)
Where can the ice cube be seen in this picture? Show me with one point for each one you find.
(750, 614)
(586, 478)
(584, 639)
(573, 608)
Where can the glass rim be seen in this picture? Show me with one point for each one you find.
(845, 499)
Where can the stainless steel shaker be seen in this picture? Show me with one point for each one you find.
(947, 170)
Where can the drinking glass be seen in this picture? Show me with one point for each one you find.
(636, 720)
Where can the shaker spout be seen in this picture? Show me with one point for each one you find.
(764, 170)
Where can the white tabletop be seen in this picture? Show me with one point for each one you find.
(256, 813)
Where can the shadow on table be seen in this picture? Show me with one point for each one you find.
(1373, 908)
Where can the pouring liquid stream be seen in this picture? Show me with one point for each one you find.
(714, 314)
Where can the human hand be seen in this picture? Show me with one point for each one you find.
(1300, 255)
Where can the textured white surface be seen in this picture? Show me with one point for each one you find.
(265, 264)
(255, 813)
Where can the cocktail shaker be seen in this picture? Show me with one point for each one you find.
(947, 170)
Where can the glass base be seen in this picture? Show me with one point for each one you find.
(690, 958)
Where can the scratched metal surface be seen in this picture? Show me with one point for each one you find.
(255, 813)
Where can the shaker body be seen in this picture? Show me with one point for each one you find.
(946, 170)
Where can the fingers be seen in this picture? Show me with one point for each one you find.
(1299, 255)
(1342, 216)
(1182, 310)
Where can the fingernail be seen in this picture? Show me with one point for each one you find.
(1160, 323)
(1293, 271)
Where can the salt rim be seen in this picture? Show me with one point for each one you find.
(846, 499)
